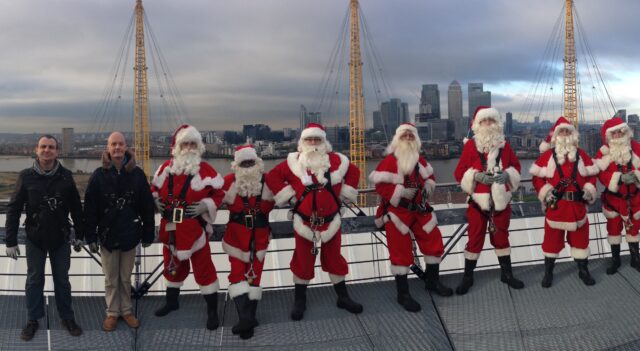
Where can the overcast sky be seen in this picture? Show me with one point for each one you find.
(256, 61)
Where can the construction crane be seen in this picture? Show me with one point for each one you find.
(356, 101)
(570, 87)
(141, 96)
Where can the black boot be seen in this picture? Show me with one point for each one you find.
(549, 263)
(432, 281)
(344, 301)
(171, 304)
(300, 302)
(404, 297)
(635, 256)
(467, 277)
(615, 259)
(253, 304)
(583, 272)
(212, 311)
(244, 327)
(506, 275)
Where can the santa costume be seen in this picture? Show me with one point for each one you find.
(404, 180)
(564, 178)
(619, 162)
(314, 181)
(249, 201)
(182, 184)
(488, 171)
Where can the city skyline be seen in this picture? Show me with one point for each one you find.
(58, 55)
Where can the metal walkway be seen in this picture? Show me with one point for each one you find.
(568, 316)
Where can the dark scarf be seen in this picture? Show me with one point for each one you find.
(49, 173)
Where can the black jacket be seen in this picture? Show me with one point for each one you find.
(119, 207)
(47, 223)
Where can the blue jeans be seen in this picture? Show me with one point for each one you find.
(60, 260)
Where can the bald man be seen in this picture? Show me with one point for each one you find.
(119, 211)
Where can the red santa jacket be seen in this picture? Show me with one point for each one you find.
(206, 187)
(390, 182)
(569, 215)
(237, 237)
(609, 176)
(470, 163)
(289, 179)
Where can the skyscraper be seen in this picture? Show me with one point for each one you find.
(67, 141)
(393, 113)
(508, 126)
(308, 117)
(303, 117)
(430, 100)
(454, 102)
(478, 97)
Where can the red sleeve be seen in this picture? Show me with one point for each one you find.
(277, 182)
(464, 164)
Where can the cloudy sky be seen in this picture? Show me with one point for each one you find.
(257, 61)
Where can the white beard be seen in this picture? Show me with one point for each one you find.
(315, 159)
(620, 150)
(407, 154)
(186, 162)
(249, 180)
(488, 137)
(566, 146)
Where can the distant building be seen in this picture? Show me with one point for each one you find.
(435, 130)
(210, 137)
(477, 97)
(454, 101)
(256, 131)
(67, 141)
(430, 100)
(393, 113)
(622, 114)
(633, 119)
(338, 136)
(508, 126)
(307, 117)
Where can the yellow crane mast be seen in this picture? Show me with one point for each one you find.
(141, 97)
(570, 86)
(356, 102)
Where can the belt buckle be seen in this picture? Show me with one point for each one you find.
(316, 220)
(178, 214)
(570, 196)
(248, 221)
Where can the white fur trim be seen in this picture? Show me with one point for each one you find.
(468, 182)
(589, 188)
(604, 149)
(632, 238)
(613, 182)
(170, 284)
(298, 280)
(614, 239)
(245, 154)
(188, 134)
(238, 289)
(428, 227)
(514, 178)
(197, 245)
(500, 195)
(335, 279)
(348, 192)
(586, 171)
(230, 194)
(483, 114)
(609, 214)
(198, 183)
(538, 171)
(551, 254)
(385, 177)
(542, 194)
(503, 252)
(296, 169)
(636, 215)
(430, 186)
(338, 175)
(379, 222)
(283, 196)
(313, 132)
(158, 178)
(397, 195)
(492, 155)
(603, 162)
(211, 288)
(396, 221)
(212, 210)
(304, 231)
(483, 200)
(471, 255)
(568, 226)
(544, 147)
(235, 252)
(267, 195)
(432, 259)
(399, 270)
(579, 254)
(425, 172)
(255, 293)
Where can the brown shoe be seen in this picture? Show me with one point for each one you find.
(131, 320)
(110, 324)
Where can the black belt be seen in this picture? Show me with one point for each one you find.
(259, 220)
(411, 206)
(622, 196)
(317, 221)
(175, 214)
(572, 196)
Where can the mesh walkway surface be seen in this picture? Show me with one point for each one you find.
(568, 316)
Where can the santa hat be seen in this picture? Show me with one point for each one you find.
(186, 133)
(483, 113)
(612, 125)
(549, 141)
(313, 130)
(399, 131)
(245, 153)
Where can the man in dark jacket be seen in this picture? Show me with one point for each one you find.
(49, 193)
(119, 211)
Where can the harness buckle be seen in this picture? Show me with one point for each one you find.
(177, 216)
(120, 202)
(52, 202)
(316, 220)
(248, 221)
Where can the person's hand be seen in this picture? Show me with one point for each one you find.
(550, 197)
(587, 196)
(159, 204)
(484, 178)
(501, 178)
(13, 252)
(409, 193)
(629, 178)
(77, 245)
(94, 247)
(145, 245)
(196, 209)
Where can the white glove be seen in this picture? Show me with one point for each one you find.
(501, 178)
(549, 198)
(482, 177)
(409, 193)
(586, 196)
(629, 178)
(159, 204)
(196, 209)
(13, 252)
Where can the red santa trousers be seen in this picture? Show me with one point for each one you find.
(553, 241)
(477, 229)
(238, 236)
(204, 271)
(400, 247)
(303, 262)
(613, 205)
